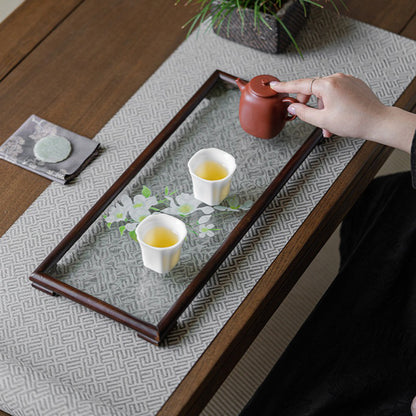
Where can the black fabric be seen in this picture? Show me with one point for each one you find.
(356, 353)
(413, 161)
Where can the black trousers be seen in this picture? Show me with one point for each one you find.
(356, 353)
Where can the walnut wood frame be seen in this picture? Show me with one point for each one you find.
(156, 333)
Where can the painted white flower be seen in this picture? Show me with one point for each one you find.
(141, 201)
(120, 210)
(185, 204)
(140, 207)
(117, 213)
(126, 201)
(139, 215)
(206, 230)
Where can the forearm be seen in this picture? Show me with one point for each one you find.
(394, 127)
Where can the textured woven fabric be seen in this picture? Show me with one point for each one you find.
(57, 357)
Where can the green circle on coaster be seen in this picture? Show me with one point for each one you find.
(52, 149)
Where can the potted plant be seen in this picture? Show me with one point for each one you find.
(267, 25)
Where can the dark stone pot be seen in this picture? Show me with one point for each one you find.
(274, 40)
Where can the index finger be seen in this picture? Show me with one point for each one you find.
(297, 86)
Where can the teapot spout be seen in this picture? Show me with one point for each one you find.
(241, 84)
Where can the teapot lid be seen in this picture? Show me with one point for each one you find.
(259, 85)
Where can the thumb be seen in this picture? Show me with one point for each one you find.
(306, 113)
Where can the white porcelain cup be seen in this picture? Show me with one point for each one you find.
(161, 259)
(211, 192)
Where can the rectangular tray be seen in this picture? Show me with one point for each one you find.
(103, 270)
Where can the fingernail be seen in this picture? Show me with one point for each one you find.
(274, 84)
(326, 134)
(291, 110)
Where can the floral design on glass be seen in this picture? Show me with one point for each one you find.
(128, 212)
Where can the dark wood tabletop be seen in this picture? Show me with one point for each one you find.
(76, 62)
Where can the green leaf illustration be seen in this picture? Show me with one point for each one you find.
(233, 202)
(146, 192)
(247, 205)
(122, 228)
(133, 236)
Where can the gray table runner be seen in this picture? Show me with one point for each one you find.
(59, 358)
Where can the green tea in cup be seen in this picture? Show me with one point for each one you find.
(160, 237)
(211, 170)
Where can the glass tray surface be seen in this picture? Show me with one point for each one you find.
(105, 262)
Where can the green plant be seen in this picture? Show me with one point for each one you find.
(220, 11)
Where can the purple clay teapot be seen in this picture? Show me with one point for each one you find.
(263, 111)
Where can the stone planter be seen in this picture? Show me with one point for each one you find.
(274, 40)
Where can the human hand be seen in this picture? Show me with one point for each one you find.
(348, 107)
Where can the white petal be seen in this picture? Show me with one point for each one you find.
(152, 200)
(204, 219)
(131, 226)
(170, 210)
(137, 213)
(183, 198)
(126, 200)
(207, 209)
(171, 200)
(139, 199)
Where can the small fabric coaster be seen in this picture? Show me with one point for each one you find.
(48, 150)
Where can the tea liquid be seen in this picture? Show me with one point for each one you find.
(160, 237)
(211, 171)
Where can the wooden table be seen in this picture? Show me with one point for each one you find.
(82, 83)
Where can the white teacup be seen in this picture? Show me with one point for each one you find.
(160, 237)
(214, 186)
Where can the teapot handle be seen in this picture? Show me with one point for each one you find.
(290, 100)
